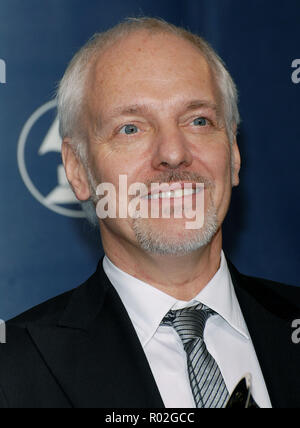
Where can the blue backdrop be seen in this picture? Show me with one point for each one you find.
(46, 247)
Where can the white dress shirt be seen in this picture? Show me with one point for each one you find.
(226, 335)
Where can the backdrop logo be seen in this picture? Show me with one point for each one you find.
(296, 73)
(40, 165)
(2, 71)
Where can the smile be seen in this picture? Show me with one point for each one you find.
(179, 193)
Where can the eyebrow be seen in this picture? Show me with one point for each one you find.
(143, 108)
(198, 104)
(131, 109)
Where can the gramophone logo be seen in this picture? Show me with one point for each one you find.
(40, 165)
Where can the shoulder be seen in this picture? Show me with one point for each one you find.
(74, 305)
(17, 340)
(20, 362)
(22, 366)
(265, 288)
(46, 312)
(277, 297)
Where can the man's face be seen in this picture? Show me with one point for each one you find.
(154, 114)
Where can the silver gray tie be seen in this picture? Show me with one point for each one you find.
(207, 384)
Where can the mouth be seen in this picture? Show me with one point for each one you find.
(174, 191)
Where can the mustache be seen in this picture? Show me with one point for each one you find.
(181, 176)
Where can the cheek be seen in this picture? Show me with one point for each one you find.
(217, 163)
(222, 166)
(108, 165)
(216, 159)
(223, 189)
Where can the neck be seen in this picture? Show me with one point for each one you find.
(182, 277)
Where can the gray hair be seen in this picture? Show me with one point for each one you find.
(71, 91)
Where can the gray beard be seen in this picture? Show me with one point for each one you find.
(155, 242)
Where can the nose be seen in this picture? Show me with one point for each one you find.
(171, 151)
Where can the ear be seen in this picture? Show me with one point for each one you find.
(236, 164)
(75, 171)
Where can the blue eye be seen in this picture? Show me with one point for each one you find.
(200, 121)
(129, 129)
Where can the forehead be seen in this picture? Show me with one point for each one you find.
(144, 66)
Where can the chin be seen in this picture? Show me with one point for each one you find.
(170, 236)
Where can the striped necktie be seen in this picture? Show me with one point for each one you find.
(207, 384)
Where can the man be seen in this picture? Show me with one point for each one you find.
(166, 320)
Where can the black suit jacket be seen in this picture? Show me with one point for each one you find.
(81, 350)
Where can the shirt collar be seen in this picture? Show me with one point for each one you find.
(147, 306)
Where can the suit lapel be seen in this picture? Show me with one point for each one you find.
(269, 318)
(96, 357)
(94, 352)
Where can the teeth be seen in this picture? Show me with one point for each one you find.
(179, 193)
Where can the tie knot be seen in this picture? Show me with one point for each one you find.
(189, 323)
